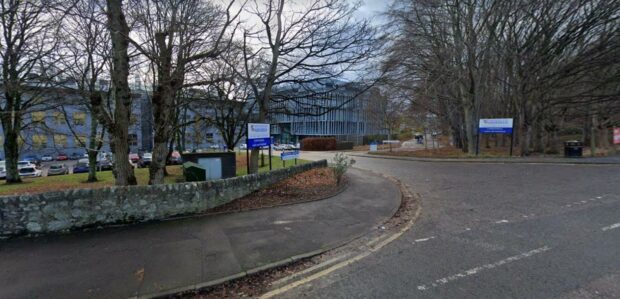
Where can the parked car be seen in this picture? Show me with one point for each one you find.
(80, 167)
(29, 172)
(104, 164)
(34, 159)
(2, 170)
(146, 160)
(76, 156)
(134, 158)
(62, 157)
(22, 164)
(47, 158)
(175, 158)
(243, 147)
(57, 169)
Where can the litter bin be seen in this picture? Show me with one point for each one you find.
(573, 149)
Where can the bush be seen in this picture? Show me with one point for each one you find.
(340, 164)
(318, 144)
(372, 138)
(344, 145)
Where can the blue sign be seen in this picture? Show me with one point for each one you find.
(259, 142)
(495, 130)
(289, 155)
(495, 126)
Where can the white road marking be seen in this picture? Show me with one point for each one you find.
(282, 221)
(476, 270)
(606, 228)
(599, 197)
(423, 240)
(502, 221)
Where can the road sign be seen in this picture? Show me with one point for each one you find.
(289, 155)
(495, 126)
(258, 135)
(616, 135)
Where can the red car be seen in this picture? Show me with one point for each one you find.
(134, 158)
(62, 157)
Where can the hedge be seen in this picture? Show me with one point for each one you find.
(318, 144)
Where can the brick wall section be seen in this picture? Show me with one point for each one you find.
(71, 209)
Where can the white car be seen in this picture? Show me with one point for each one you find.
(29, 172)
(2, 170)
(47, 158)
(22, 164)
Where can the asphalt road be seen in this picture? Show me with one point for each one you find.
(493, 231)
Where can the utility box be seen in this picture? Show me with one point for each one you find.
(194, 172)
(216, 165)
(573, 149)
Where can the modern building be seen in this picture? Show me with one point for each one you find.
(334, 109)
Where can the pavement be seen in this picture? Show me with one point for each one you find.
(157, 258)
(532, 159)
(491, 230)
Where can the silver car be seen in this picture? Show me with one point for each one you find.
(57, 169)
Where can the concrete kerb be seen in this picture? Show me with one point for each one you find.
(571, 161)
(405, 193)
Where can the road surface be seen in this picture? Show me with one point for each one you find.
(493, 231)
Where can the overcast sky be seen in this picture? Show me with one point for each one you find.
(373, 8)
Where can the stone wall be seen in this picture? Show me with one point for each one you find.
(79, 208)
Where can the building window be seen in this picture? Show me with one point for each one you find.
(81, 141)
(132, 140)
(59, 118)
(79, 118)
(209, 137)
(38, 117)
(60, 140)
(133, 120)
(39, 141)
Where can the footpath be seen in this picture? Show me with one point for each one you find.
(155, 259)
(533, 160)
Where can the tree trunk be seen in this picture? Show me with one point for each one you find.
(119, 32)
(11, 152)
(593, 126)
(156, 168)
(92, 151)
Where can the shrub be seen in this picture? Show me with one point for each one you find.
(340, 164)
(344, 145)
(318, 144)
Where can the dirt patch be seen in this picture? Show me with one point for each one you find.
(310, 185)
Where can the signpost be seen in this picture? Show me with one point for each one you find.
(258, 136)
(290, 155)
(495, 126)
(616, 135)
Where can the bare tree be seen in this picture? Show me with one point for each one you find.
(305, 43)
(86, 60)
(116, 122)
(27, 44)
(176, 37)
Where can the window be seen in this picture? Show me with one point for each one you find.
(38, 117)
(81, 140)
(39, 141)
(79, 118)
(132, 140)
(133, 120)
(59, 118)
(209, 137)
(60, 140)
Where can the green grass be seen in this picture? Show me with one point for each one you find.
(276, 163)
(105, 178)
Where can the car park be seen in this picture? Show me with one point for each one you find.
(62, 157)
(57, 169)
(76, 156)
(47, 158)
(29, 172)
(175, 158)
